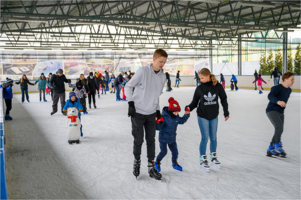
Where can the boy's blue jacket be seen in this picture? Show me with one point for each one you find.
(8, 92)
(168, 128)
(233, 78)
(76, 104)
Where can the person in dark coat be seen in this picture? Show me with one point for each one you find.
(91, 89)
(8, 96)
(57, 82)
(51, 90)
(168, 86)
(277, 74)
(256, 77)
(97, 81)
(177, 79)
(106, 80)
(223, 82)
(24, 82)
(117, 82)
(168, 132)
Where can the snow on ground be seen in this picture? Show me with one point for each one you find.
(42, 165)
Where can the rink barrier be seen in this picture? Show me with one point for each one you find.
(3, 192)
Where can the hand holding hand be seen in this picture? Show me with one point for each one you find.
(281, 103)
(187, 111)
(80, 110)
(226, 118)
(160, 121)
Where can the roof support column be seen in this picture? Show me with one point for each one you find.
(239, 55)
(284, 62)
(210, 57)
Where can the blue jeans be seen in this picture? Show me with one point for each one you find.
(208, 128)
(276, 80)
(177, 82)
(26, 93)
(117, 92)
(103, 89)
(107, 85)
(173, 148)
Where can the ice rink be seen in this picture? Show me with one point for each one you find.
(42, 165)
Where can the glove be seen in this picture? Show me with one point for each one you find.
(65, 111)
(80, 110)
(132, 109)
(160, 121)
(69, 80)
(158, 114)
(187, 109)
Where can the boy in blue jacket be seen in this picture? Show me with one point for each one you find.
(234, 79)
(74, 102)
(8, 95)
(167, 135)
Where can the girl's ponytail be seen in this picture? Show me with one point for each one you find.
(214, 81)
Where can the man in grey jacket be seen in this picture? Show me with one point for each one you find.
(147, 84)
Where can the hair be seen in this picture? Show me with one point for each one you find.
(43, 78)
(25, 78)
(160, 53)
(206, 72)
(286, 75)
(112, 75)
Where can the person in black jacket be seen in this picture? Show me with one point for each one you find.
(223, 80)
(97, 81)
(57, 82)
(168, 86)
(177, 79)
(277, 74)
(256, 77)
(117, 82)
(24, 82)
(206, 100)
(91, 89)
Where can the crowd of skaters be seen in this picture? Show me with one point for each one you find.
(142, 91)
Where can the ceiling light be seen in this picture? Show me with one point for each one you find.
(16, 43)
(73, 36)
(258, 4)
(109, 45)
(249, 40)
(51, 44)
(14, 48)
(68, 49)
(78, 44)
(137, 25)
(179, 26)
(27, 35)
(94, 49)
(99, 36)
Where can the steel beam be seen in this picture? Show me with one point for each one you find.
(239, 55)
(284, 49)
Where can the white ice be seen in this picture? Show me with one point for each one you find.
(42, 165)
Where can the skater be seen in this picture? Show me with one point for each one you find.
(8, 96)
(57, 82)
(223, 82)
(278, 98)
(103, 86)
(277, 74)
(42, 86)
(117, 83)
(144, 107)
(106, 80)
(234, 79)
(126, 79)
(91, 90)
(49, 88)
(74, 102)
(97, 81)
(112, 83)
(197, 79)
(130, 75)
(168, 85)
(24, 82)
(177, 79)
(256, 77)
(81, 94)
(206, 99)
(260, 80)
(168, 132)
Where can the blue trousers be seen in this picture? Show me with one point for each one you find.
(117, 92)
(276, 80)
(208, 129)
(173, 148)
(177, 82)
(26, 93)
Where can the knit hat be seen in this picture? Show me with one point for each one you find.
(71, 94)
(91, 74)
(9, 81)
(173, 105)
(42, 74)
(60, 71)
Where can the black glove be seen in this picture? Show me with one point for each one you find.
(69, 80)
(132, 109)
(158, 114)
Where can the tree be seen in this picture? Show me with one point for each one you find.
(297, 68)
(270, 62)
(279, 59)
(290, 59)
(263, 64)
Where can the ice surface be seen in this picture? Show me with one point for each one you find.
(42, 165)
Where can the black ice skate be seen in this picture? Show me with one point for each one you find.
(153, 173)
(136, 170)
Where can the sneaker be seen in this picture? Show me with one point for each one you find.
(176, 166)
(204, 163)
(214, 161)
(136, 169)
(153, 173)
(52, 113)
(157, 165)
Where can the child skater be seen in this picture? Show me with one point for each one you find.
(42, 86)
(260, 80)
(168, 132)
(80, 93)
(24, 87)
(8, 96)
(278, 97)
(74, 102)
(125, 80)
(206, 99)
(112, 83)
